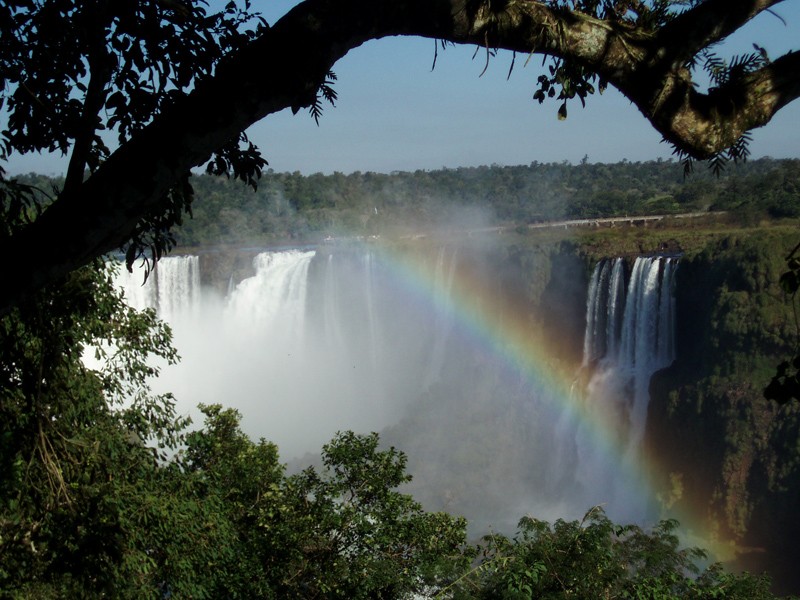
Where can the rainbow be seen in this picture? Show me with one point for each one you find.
(509, 335)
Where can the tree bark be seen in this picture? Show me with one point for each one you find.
(285, 66)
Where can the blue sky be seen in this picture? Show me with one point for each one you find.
(395, 113)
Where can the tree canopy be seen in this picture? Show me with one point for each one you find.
(173, 86)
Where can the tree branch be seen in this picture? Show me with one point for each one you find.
(100, 73)
(285, 66)
(705, 124)
(706, 24)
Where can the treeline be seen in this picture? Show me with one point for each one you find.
(291, 206)
(295, 208)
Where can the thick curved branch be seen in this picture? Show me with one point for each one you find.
(709, 123)
(706, 24)
(285, 66)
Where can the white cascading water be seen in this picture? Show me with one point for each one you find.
(303, 352)
(443, 316)
(173, 288)
(633, 340)
(274, 298)
(314, 343)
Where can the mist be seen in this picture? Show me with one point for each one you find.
(421, 340)
(313, 343)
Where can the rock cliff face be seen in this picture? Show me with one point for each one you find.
(734, 453)
(725, 452)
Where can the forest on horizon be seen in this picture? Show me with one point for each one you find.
(297, 208)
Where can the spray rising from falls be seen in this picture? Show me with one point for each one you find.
(308, 345)
(315, 342)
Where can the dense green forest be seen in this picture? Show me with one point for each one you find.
(308, 208)
(105, 498)
(290, 207)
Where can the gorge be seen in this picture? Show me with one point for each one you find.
(518, 378)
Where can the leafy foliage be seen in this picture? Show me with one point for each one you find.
(325, 92)
(364, 538)
(73, 460)
(78, 75)
(566, 78)
(722, 72)
(594, 558)
(20, 203)
(785, 385)
(244, 163)
(571, 79)
(141, 55)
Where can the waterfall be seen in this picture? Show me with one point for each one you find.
(316, 342)
(631, 325)
(637, 341)
(275, 297)
(178, 285)
(443, 319)
(173, 288)
(592, 304)
(614, 306)
(310, 344)
(376, 341)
